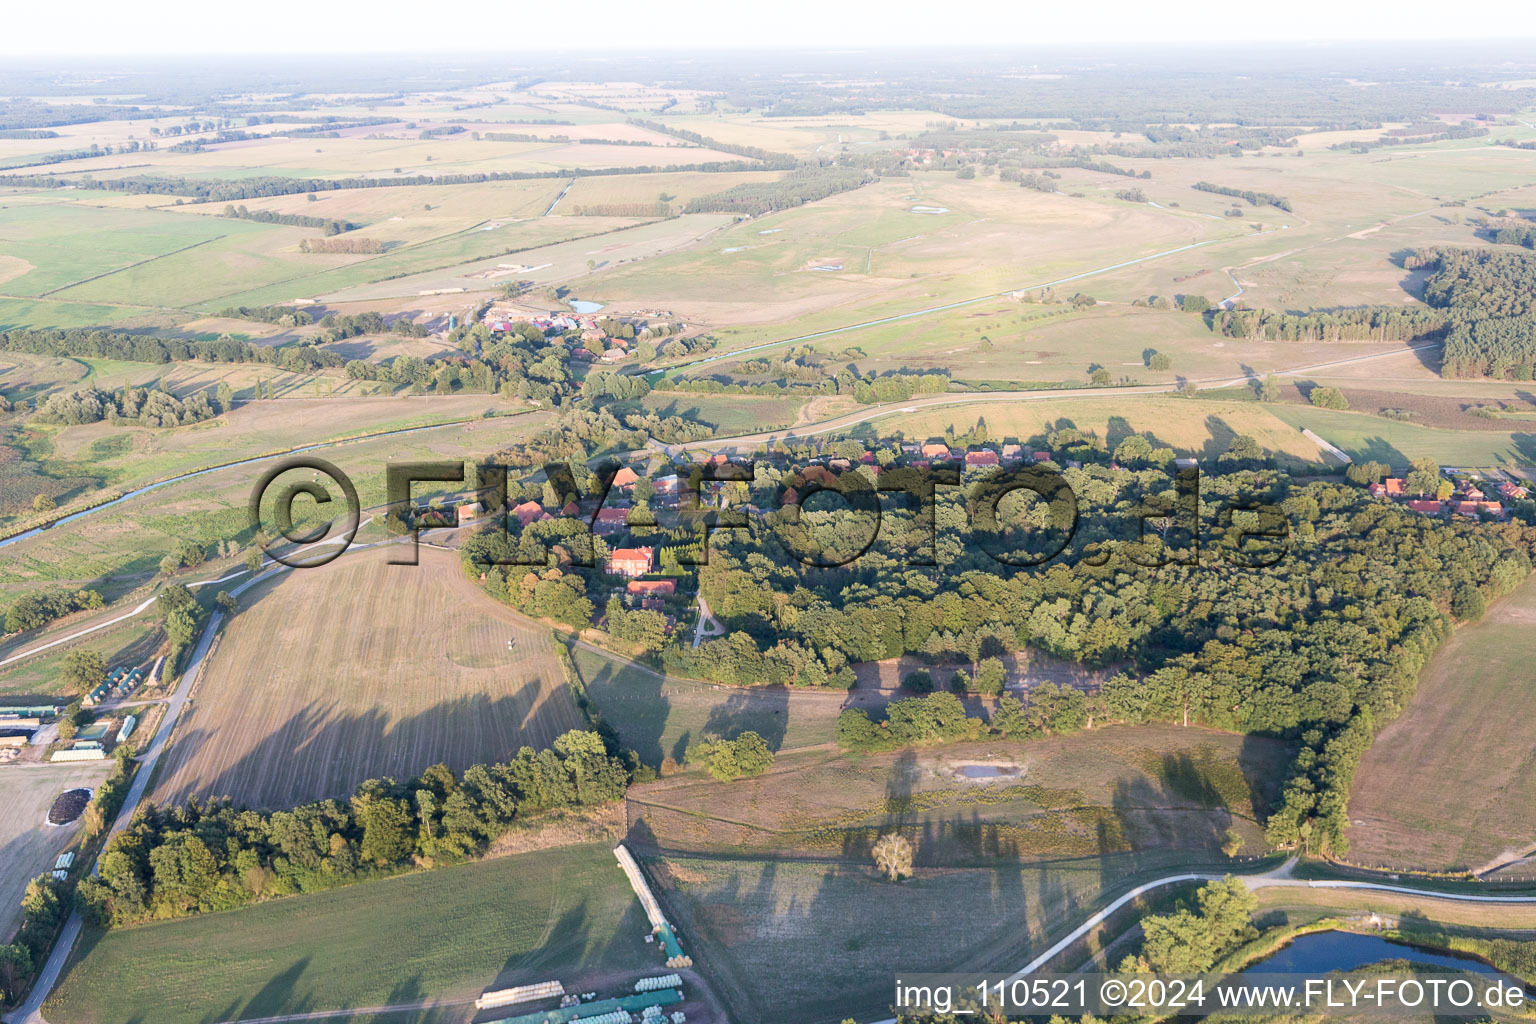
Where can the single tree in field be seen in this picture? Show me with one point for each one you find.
(43, 503)
(82, 670)
(1232, 843)
(893, 856)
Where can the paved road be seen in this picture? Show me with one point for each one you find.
(971, 398)
(138, 609)
(1280, 876)
(30, 1012)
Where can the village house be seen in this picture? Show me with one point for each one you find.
(1512, 492)
(625, 479)
(630, 561)
(1393, 486)
(1013, 453)
(528, 512)
(935, 450)
(611, 520)
(1425, 505)
(1040, 456)
(981, 457)
(651, 587)
(469, 512)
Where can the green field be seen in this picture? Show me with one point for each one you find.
(1396, 443)
(439, 935)
(659, 718)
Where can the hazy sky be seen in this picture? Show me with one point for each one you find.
(208, 26)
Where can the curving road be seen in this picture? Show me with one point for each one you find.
(30, 1012)
(971, 398)
(1280, 876)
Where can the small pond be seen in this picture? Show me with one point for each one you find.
(585, 305)
(988, 771)
(1321, 952)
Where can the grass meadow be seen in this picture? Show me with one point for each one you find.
(1443, 787)
(442, 935)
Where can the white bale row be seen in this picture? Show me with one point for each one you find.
(663, 981)
(520, 994)
(642, 890)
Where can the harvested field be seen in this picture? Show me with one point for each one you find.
(1113, 790)
(28, 845)
(1445, 786)
(362, 669)
(815, 942)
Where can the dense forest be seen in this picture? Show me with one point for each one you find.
(1311, 649)
(1489, 297)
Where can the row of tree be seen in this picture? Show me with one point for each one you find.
(198, 858)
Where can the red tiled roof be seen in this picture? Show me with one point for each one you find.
(625, 477)
(1424, 506)
(985, 457)
(1393, 485)
(651, 586)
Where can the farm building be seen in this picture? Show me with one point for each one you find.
(1040, 456)
(935, 450)
(983, 457)
(651, 587)
(86, 750)
(1422, 505)
(625, 479)
(631, 561)
(528, 512)
(469, 512)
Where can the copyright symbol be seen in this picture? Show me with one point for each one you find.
(1112, 993)
(282, 512)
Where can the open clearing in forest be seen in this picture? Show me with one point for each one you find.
(362, 669)
(28, 844)
(1112, 790)
(771, 878)
(1451, 784)
(440, 935)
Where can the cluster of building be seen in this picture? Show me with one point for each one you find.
(17, 726)
(120, 682)
(646, 1003)
(1468, 500)
(579, 329)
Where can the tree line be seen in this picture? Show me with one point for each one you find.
(1248, 196)
(204, 857)
(33, 611)
(145, 407)
(794, 189)
(328, 225)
